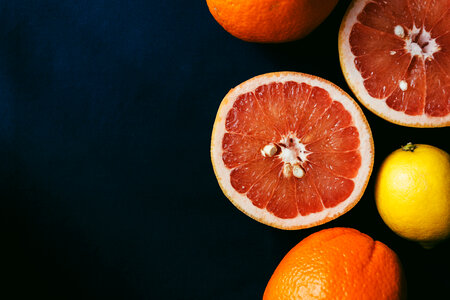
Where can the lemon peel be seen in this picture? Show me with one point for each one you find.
(412, 193)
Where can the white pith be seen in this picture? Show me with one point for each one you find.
(356, 81)
(424, 37)
(292, 153)
(288, 156)
(262, 215)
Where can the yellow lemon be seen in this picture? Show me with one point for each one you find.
(412, 193)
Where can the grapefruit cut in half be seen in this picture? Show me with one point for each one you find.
(291, 150)
(395, 56)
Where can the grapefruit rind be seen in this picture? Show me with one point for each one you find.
(356, 82)
(262, 215)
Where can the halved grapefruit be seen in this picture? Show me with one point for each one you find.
(395, 56)
(291, 150)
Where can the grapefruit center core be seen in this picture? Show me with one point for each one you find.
(291, 152)
(418, 41)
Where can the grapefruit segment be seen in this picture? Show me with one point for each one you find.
(438, 84)
(368, 41)
(437, 12)
(441, 27)
(395, 58)
(240, 118)
(384, 16)
(336, 117)
(315, 106)
(418, 10)
(292, 92)
(345, 164)
(272, 110)
(442, 58)
(382, 72)
(238, 149)
(262, 191)
(291, 150)
(379, 58)
(331, 188)
(244, 176)
(342, 140)
(282, 204)
(306, 196)
(409, 94)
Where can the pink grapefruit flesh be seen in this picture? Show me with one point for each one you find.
(395, 56)
(291, 150)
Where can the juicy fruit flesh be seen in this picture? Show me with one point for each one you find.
(402, 50)
(310, 130)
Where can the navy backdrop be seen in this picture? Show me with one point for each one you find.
(107, 190)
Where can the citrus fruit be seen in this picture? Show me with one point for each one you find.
(291, 150)
(270, 21)
(395, 56)
(338, 263)
(412, 193)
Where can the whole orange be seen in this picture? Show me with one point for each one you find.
(338, 263)
(270, 21)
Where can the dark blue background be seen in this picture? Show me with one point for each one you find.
(107, 190)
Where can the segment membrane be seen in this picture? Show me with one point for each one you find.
(283, 203)
(437, 102)
(239, 149)
(271, 100)
(418, 10)
(385, 15)
(367, 41)
(262, 191)
(410, 97)
(306, 196)
(317, 104)
(345, 164)
(442, 26)
(442, 58)
(384, 65)
(247, 118)
(295, 97)
(342, 140)
(335, 118)
(332, 189)
(437, 12)
(243, 177)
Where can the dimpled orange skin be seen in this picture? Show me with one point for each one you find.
(338, 263)
(270, 21)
